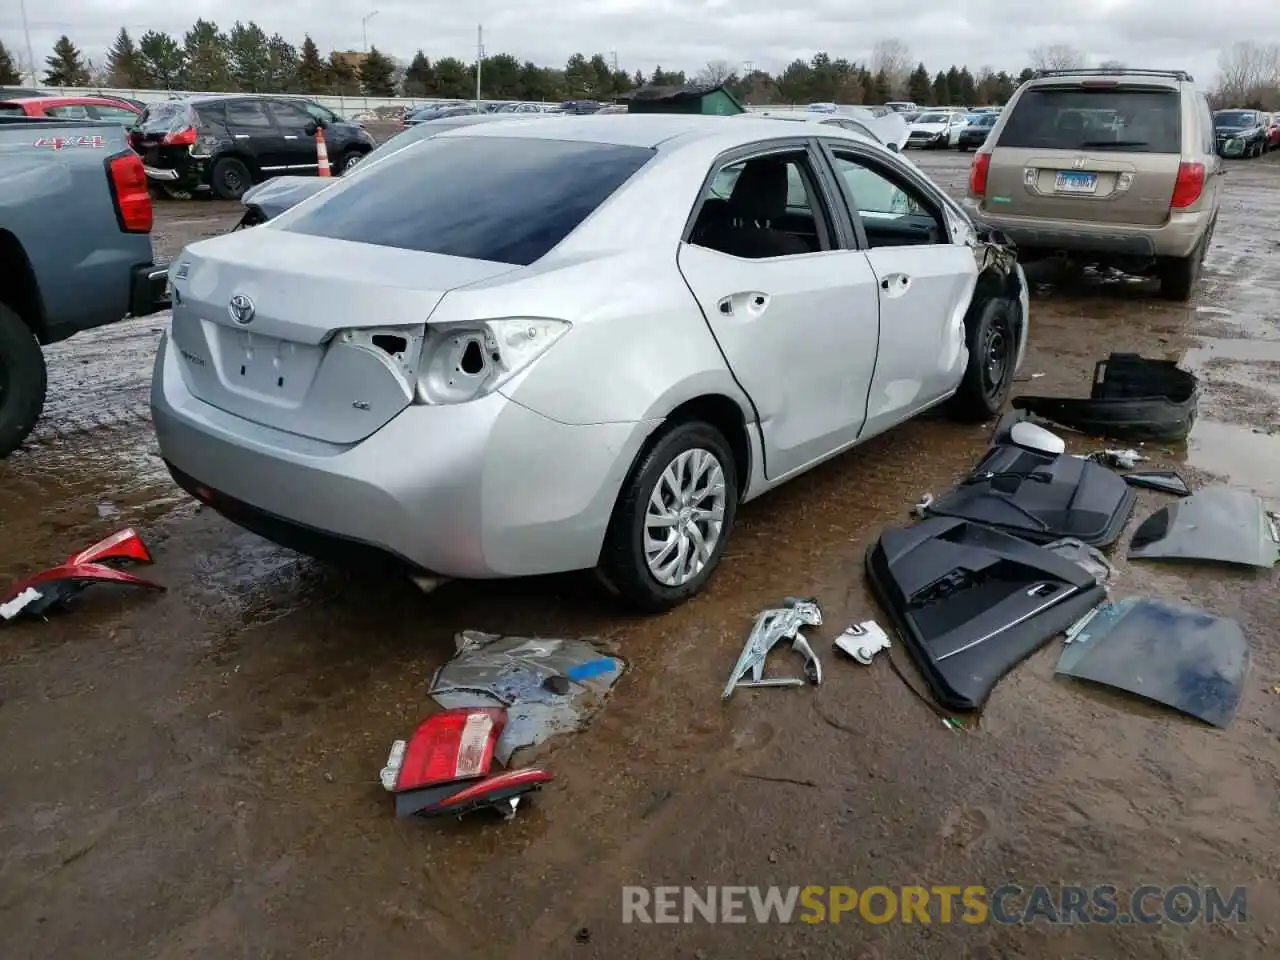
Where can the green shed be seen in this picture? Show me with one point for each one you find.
(708, 101)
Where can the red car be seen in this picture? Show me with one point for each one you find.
(72, 108)
(1273, 132)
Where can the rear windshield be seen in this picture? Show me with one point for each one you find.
(1234, 118)
(164, 117)
(1135, 121)
(484, 198)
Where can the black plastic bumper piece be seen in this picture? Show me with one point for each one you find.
(331, 548)
(148, 289)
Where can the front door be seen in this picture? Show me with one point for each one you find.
(793, 310)
(299, 146)
(251, 128)
(924, 284)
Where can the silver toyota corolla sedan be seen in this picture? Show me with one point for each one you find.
(528, 347)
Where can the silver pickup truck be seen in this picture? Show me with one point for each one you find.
(75, 249)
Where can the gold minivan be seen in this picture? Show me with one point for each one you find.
(1114, 167)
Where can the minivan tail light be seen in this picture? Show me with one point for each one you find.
(978, 174)
(128, 181)
(186, 137)
(1189, 185)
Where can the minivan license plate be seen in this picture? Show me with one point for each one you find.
(1072, 182)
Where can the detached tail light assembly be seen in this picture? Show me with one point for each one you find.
(444, 769)
(41, 592)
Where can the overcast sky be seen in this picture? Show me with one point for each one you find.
(685, 34)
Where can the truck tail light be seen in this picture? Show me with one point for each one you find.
(128, 182)
(978, 174)
(1189, 185)
(186, 137)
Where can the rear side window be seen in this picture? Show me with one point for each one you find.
(484, 198)
(1134, 121)
(165, 117)
(11, 110)
(247, 115)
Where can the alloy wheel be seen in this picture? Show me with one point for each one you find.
(684, 519)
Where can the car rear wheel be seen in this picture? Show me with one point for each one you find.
(991, 334)
(672, 519)
(230, 179)
(23, 381)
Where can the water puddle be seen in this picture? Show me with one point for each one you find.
(1237, 351)
(1249, 459)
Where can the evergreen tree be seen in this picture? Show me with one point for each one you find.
(345, 80)
(9, 74)
(919, 87)
(124, 63)
(66, 68)
(247, 57)
(205, 58)
(377, 73)
(313, 72)
(941, 92)
(419, 77)
(162, 60)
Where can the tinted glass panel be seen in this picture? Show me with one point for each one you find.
(485, 198)
(1235, 118)
(117, 114)
(247, 115)
(164, 117)
(1135, 121)
(290, 116)
(9, 110)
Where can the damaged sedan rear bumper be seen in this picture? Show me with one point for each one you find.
(474, 490)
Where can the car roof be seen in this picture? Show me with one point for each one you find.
(643, 130)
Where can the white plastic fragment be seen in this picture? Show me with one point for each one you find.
(19, 603)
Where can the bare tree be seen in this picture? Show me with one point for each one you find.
(1249, 71)
(1057, 56)
(892, 57)
(715, 73)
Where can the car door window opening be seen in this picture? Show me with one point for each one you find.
(764, 206)
(893, 211)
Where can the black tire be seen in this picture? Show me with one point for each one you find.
(230, 178)
(23, 381)
(1178, 275)
(349, 159)
(991, 334)
(622, 568)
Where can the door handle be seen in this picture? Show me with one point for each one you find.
(291, 136)
(242, 136)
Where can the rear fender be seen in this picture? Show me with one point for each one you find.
(19, 290)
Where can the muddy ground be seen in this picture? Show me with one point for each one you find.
(195, 774)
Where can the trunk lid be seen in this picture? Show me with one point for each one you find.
(324, 337)
(1107, 155)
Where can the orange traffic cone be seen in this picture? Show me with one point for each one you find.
(322, 153)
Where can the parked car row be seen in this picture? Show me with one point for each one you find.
(1246, 133)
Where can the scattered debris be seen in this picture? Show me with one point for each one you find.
(1218, 524)
(1133, 398)
(443, 769)
(1166, 481)
(1119, 459)
(548, 686)
(1091, 558)
(771, 626)
(40, 593)
(1180, 656)
(863, 641)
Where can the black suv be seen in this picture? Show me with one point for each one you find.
(226, 144)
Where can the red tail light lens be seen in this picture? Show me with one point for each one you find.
(451, 745)
(1189, 185)
(128, 182)
(978, 174)
(181, 138)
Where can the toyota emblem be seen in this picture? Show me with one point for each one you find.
(242, 309)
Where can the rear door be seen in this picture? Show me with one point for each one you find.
(255, 134)
(299, 147)
(924, 282)
(790, 301)
(1102, 153)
